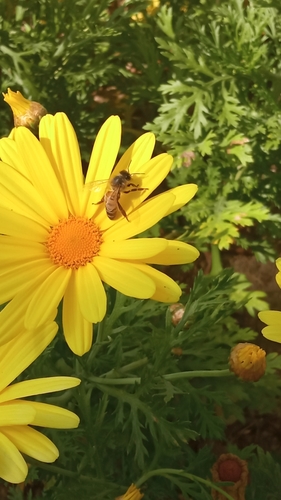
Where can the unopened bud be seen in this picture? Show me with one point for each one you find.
(177, 311)
(26, 113)
(133, 493)
(177, 351)
(248, 361)
(229, 467)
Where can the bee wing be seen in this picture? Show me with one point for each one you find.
(95, 186)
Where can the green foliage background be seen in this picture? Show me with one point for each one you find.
(205, 77)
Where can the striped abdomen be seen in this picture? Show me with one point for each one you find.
(111, 203)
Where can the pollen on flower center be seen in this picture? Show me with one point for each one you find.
(74, 242)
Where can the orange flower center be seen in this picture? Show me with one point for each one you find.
(74, 242)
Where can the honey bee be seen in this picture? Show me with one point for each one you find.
(121, 183)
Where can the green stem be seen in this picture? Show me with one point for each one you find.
(117, 309)
(68, 473)
(53, 468)
(176, 472)
(170, 376)
(198, 373)
(97, 345)
(126, 368)
(216, 261)
(114, 381)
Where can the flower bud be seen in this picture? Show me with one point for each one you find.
(26, 113)
(177, 311)
(248, 361)
(177, 351)
(229, 467)
(133, 493)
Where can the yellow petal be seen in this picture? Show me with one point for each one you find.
(12, 465)
(52, 416)
(140, 248)
(16, 414)
(278, 264)
(17, 225)
(177, 252)
(77, 330)
(132, 493)
(47, 139)
(142, 219)
(167, 289)
(11, 203)
(47, 297)
(32, 443)
(125, 278)
(272, 332)
(9, 154)
(38, 386)
(137, 154)
(18, 277)
(105, 150)
(41, 173)
(278, 279)
(66, 152)
(12, 133)
(21, 193)
(270, 317)
(20, 352)
(91, 293)
(183, 194)
(29, 251)
(12, 316)
(102, 160)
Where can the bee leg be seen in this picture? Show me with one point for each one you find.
(121, 209)
(129, 184)
(98, 202)
(136, 188)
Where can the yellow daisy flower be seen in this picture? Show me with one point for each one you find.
(57, 241)
(16, 414)
(272, 318)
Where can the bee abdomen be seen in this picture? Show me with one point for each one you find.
(111, 204)
(111, 213)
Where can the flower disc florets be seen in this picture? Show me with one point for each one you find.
(74, 242)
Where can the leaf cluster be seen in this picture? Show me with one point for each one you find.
(219, 114)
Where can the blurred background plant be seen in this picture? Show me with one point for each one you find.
(205, 78)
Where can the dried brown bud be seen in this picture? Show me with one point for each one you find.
(133, 493)
(188, 157)
(26, 113)
(239, 142)
(229, 467)
(177, 311)
(177, 351)
(248, 361)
